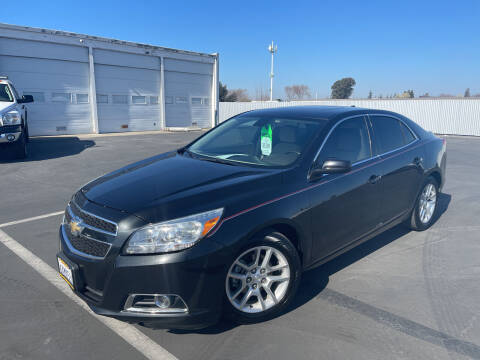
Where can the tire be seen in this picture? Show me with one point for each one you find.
(257, 277)
(20, 150)
(423, 215)
(27, 134)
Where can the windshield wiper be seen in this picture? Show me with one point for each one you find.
(216, 160)
(194, 155)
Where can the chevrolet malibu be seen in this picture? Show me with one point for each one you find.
(228, 223)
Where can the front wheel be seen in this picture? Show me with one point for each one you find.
(423, 213)
(20, 150)
(263, 279)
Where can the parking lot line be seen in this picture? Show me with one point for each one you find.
(16, 222)
(133, 336)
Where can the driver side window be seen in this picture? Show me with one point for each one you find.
(348, 141)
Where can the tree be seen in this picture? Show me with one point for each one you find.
(226, 95)
(222, 92)
(407, 94)
(343, 88)
(238, 95)
(297, 92)
(467, 93)
(289, 93)
(370, 95)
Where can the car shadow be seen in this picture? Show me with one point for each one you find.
(47, 148)
(315, 281)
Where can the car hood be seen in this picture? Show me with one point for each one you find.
(6, 106)
(173, 185)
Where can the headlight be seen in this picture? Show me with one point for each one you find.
(11, 118)
(173, 235)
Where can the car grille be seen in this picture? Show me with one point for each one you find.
(93, 221)
(81, 243)
(87, 245)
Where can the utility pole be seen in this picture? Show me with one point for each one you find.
(272, 49)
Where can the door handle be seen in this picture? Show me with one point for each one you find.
(374, 179)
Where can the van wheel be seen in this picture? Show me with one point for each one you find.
(423, 213)
(262, 279)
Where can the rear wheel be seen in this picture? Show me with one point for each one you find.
(263, 279)
(423, 213)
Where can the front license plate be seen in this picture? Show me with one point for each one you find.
(65, 272)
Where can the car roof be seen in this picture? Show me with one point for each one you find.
(320, 112)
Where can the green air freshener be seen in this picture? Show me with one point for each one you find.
(266, 140)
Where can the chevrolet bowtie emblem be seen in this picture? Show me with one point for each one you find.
(75, 227)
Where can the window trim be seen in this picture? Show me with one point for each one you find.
(398, 119)
(139, 96)
(364, 118)
(79, 102)
(100, 95)
(120, 103)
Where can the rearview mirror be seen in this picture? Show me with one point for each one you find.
(25, 99)
(331, 167)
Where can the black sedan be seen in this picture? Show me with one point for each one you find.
(228, 223)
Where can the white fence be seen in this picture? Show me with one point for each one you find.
(441, 116)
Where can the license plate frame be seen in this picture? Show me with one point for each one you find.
(66, 272)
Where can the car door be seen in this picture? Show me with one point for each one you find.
(21, 107)
(345, 207)
(401, 162)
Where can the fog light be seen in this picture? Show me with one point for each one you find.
(155, 304)
(162, 301)
(10, 137)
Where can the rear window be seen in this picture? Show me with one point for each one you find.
(407, 134)
(389, 134)
(5, 93)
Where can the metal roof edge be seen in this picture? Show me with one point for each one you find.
(100, 38)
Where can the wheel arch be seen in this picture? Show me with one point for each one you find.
(290, 230)
(437, 175)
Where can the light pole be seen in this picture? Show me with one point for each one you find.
(272, 49)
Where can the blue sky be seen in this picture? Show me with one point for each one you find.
(386, 46)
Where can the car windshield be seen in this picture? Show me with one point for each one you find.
(263, 141)
(5, 93)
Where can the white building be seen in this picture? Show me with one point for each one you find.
(87, 84)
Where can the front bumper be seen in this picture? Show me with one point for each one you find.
(9, 137)
(196, 275)
(10, 133)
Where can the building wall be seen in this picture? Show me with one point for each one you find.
(85, 84)
(442, 116)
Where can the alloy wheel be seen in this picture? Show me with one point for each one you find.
(428, 201)
(258, 279)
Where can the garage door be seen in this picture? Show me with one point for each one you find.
(128, 90)
(188, 89)
(57, 77)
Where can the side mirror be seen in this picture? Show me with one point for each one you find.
(25, 99)
(331, 167)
